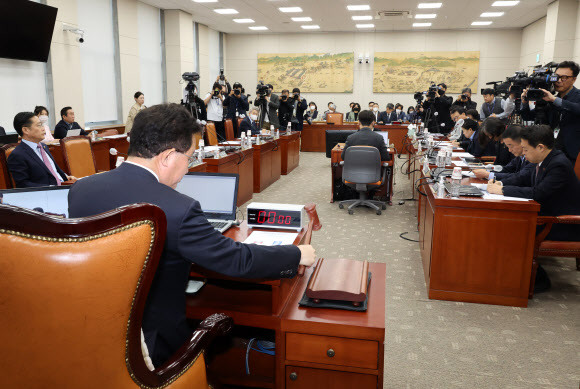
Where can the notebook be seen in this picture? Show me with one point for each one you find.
(217, 194)
(76, 132)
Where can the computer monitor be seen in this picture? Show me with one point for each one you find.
(48, 199)
(385, 135)
(217, 193)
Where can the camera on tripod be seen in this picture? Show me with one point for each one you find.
(190, 76)
(262, 90)
(222, 80)
(418, 96)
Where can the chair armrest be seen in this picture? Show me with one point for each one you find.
(569, 219)
(215, 325)
(549, 221)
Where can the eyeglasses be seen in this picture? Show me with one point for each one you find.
(563, 78)
(190, 160)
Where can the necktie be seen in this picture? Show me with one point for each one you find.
(48, 165)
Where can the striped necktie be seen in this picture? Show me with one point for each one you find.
(48, 165)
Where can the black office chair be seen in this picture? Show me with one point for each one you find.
(362, 171)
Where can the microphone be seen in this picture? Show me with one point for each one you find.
(459, 123)
(114, 151)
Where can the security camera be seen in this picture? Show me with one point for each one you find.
(75, 30)
(360, 58)
(80, 39)
(367, 58)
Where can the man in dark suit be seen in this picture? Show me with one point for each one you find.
(250, 123)
(154, 167)
(67, 123)
(365, 136)
(31, 163)
(562, 110)
(552, 183)
(442, 121)
(272, 103)
(511, 137)
(237, 104)
(387, 116)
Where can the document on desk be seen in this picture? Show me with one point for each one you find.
(460, 163)
(462, 155)
(266, 238)
(115, 136)
(468, 174)
(491, 196)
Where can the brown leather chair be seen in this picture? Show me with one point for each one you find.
(229, 125)
(210, 135)
(109, 132)
(78, 156)
(6, 180)
(240, 122)
(335, 118)
(73, 296)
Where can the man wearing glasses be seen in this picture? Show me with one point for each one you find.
(563, 109)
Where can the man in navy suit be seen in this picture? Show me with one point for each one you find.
(552, 183)
(237, 105)
(31, 163)
(511, 137)
(67, 122)
(387, 116)
(159, 154)
(250, 123)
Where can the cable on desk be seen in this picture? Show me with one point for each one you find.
(264, 347)
(410, 240)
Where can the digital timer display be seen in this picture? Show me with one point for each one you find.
(270, 218)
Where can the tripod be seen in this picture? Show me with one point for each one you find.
(262, 107)
(190, 102)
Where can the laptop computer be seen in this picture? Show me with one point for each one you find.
(46, 199)
(7, 139)
(217, 194)
(76, 132)
(385, 135)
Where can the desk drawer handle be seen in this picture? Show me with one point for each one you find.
(330, 353)
(293, 376)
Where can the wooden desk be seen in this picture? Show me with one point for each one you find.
(290, 148)
(314, 135)
(356, 338)
(336, 176)
(476, 250)
(241, 163)
(101, 129)
(267, 164)
(199, 168)
(272, 305)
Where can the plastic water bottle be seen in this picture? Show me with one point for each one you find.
(289, 128)
(272, 130)
(201, 146)
(441, 187)
(258, 139)
(243, 141)
(94, 135)
(441, 159)
(448, 155)
(456, 182)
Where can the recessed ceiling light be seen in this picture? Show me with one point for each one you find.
(258, 28)
(365, 17)
(481, 23)
(290, 9)
(358, 7)
(370, 25)
(429, 5)
(302, 19)
(421, 24)
(205, 1)
(504, 3)
(244, 20)
(226, 11)
(491, 14)
(425, 16)
(311, 27)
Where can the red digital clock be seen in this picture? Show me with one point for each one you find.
(275, 215)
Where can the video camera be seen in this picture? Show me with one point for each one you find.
(431, 93)
(190, 76)
(542, 77)
(262, 90)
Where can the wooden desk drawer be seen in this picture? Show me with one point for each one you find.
(332, 351)
(303, 377)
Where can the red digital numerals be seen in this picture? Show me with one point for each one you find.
(270, 218)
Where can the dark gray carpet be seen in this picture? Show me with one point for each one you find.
(439, 344)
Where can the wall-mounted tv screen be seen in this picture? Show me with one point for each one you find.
(26, 29)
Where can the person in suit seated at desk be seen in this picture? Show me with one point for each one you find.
(67, 123)
(312, 111)
(31, 163)
(491, 142)
(470, 130)
(366, 136)
(400, 115)
(250, 123)
(352, 116)
(331, 109)
(472, 114)
(511, 137)
(411, 114)
(457, 114)
(552, 182)
(387, 116)
(161, 149)
(375, 110)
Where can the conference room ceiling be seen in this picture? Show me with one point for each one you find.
(333, 16)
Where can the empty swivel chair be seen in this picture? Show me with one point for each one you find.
(364, 171)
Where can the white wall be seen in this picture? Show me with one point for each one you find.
(532, 44)
(499, 57)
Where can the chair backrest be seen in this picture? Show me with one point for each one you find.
(73, 296)
(240, 122)
(362, 165)
(78, 156)
(577, 167)
(110, 132)
(335, 136)
(229, 129)
(210, 134)
(6, 180)
(335, 118)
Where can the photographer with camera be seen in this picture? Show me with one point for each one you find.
(215, 108)
(237, 104)
(292, 109)
(439, 105)
(563, 109)
(269, 116)
(464, 100)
